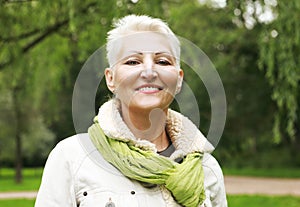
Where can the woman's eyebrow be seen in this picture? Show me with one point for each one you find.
(135, 52)
(131, 54)
(162, 53)
(165, 54)
(143, 52)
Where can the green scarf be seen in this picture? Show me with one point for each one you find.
(184, 180)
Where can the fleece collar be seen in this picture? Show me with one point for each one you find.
(184, 135)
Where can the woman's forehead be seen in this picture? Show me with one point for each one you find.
(144, 42)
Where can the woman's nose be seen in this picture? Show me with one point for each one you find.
(149, 72)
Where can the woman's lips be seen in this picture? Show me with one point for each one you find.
(149, 89)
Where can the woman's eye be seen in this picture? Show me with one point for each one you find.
(132, 62)
(163, 62)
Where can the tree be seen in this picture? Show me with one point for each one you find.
(43, 47)
(233, 48)
(279, 58)
(44, 44)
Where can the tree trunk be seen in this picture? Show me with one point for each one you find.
(18, 159)
(18, 151)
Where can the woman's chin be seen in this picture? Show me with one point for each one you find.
(148, 105)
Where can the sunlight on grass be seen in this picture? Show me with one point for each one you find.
(257, 172)
(17, 203)
(31, 181)
(265, 201)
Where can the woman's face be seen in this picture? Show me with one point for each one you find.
(146, 76)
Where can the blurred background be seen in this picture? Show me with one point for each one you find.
(254, 45)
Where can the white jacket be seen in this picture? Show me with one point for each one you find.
(77, 175)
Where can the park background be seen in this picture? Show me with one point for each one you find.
(253, 44)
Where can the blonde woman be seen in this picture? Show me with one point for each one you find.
(138, 152)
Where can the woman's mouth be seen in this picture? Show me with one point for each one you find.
(149, 89)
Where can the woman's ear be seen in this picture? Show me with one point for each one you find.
(179, 80)
(110, 79)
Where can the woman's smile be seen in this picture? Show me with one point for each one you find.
(149, 89)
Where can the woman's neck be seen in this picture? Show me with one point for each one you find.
(147, 125)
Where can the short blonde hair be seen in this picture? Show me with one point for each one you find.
(134, 23)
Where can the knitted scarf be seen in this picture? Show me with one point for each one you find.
(185, 180)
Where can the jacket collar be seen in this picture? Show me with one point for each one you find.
(184, 135)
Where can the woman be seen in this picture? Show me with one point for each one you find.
(138, 152)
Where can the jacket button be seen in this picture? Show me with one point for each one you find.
(85, 193)
(132, 192)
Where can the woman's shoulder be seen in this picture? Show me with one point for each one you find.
(72, 142)
(214, 180)
(73, 147)
(211, 167)
(212, 172)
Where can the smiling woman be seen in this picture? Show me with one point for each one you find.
(138, 152)
(144, 81)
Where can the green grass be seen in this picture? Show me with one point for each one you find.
(17, 203)
(265, 201)
(258, 172)
(233, 201)
(31, 181)
(27, 172)
(32, 176)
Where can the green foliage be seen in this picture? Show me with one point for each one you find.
(279, 58)
(44, 44)
(37, 138)
(234, 52)
(37, 143)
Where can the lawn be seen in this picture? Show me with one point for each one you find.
(17, 203)
(233, 201)
(265, 201)
(32, 179)
(259, 172)
(32, 176)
